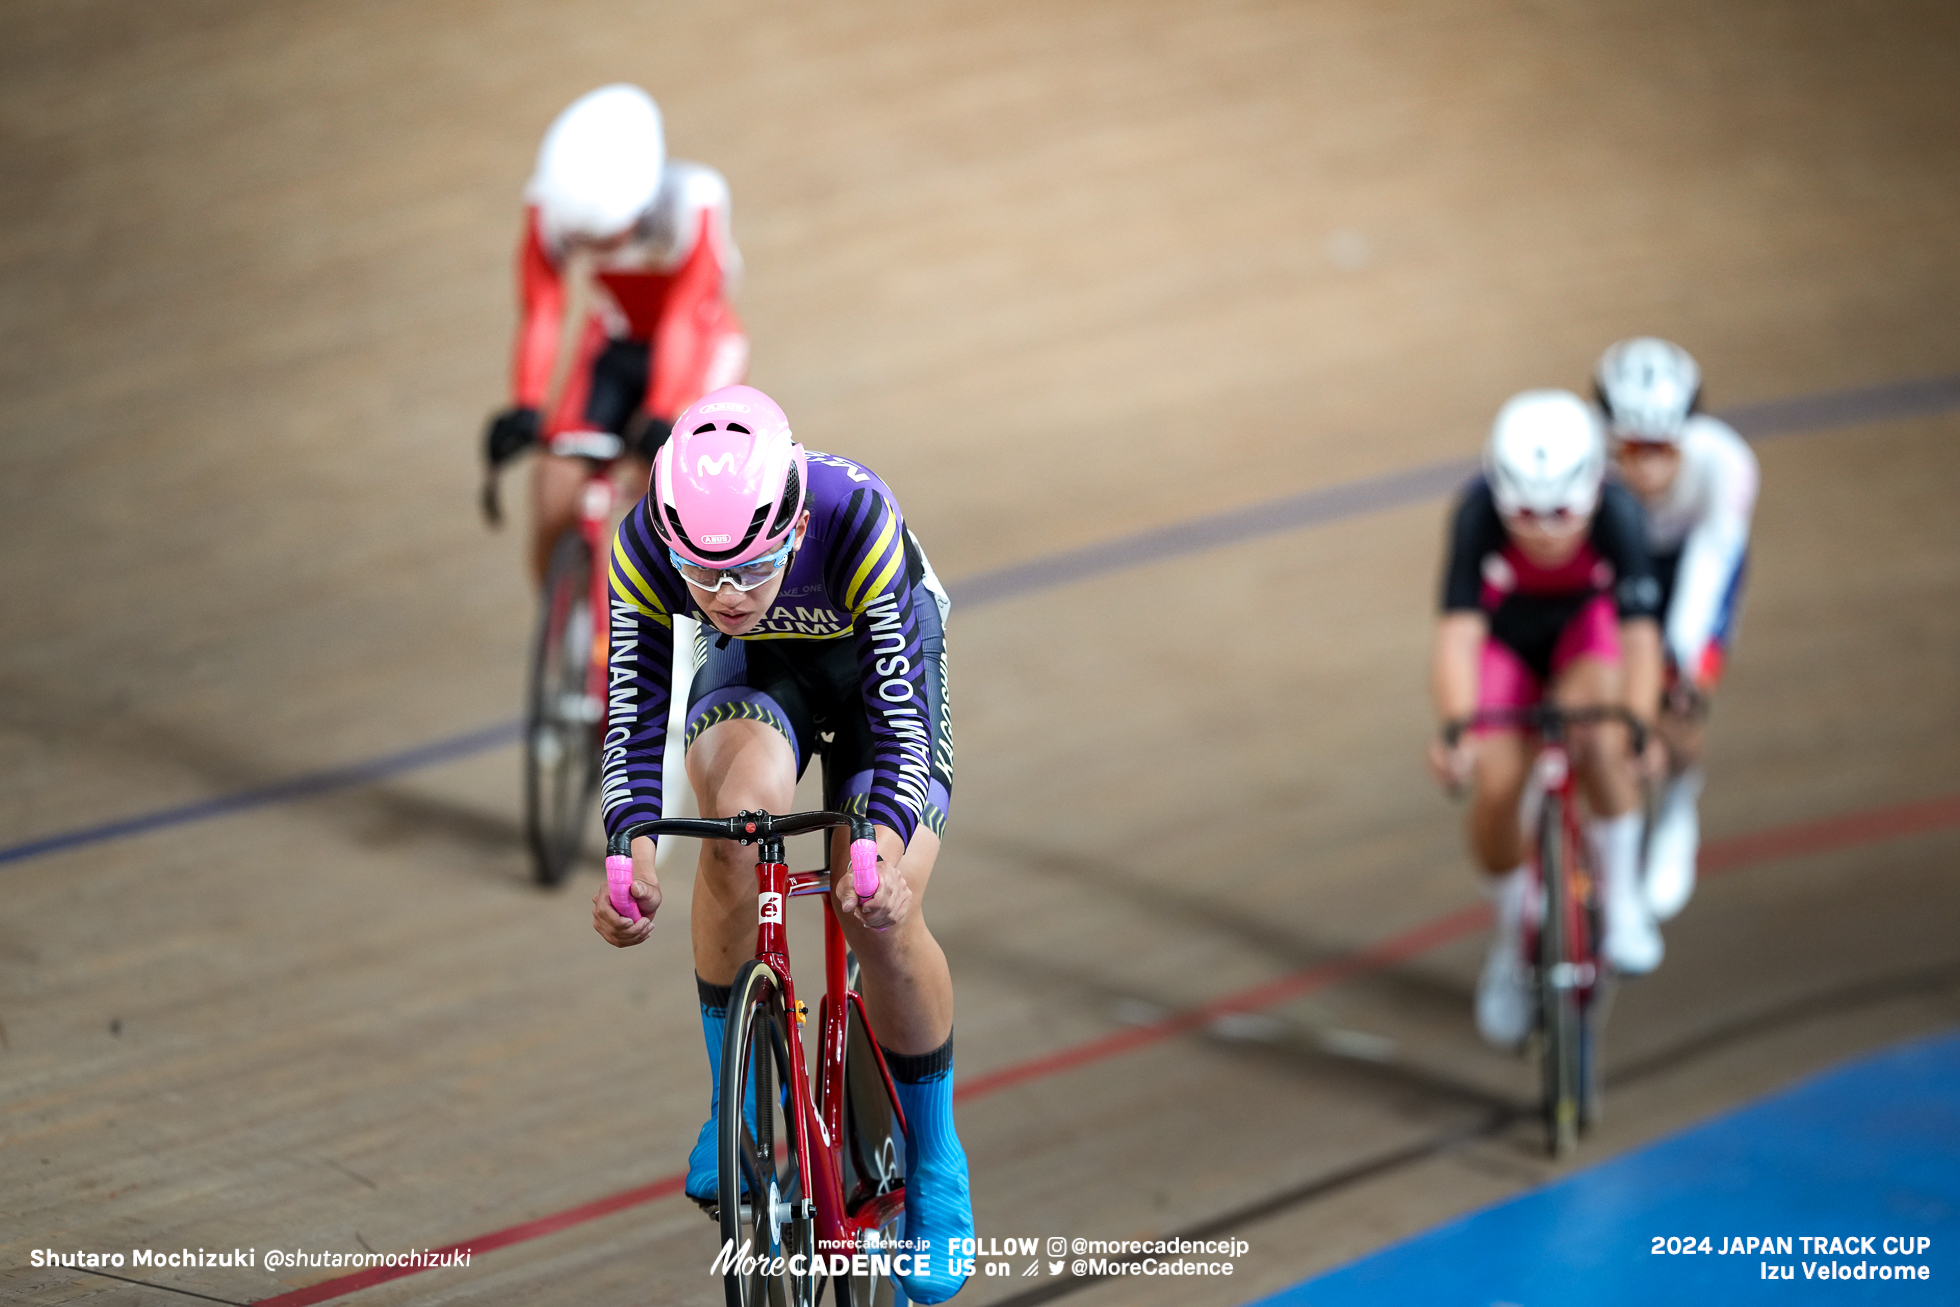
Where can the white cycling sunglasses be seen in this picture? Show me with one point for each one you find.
(744, 577)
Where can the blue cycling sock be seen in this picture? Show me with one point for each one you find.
(701, 1168)
(938, 1204)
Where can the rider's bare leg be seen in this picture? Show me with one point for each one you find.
(908, 991)
(1682, 735)
(734, 766)
(1603, 756)
(1601, 752)
(1502, 759)
(908, 988)
(555, 486)
(1676, 836)
(556, 483)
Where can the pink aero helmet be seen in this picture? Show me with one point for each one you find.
(728, 486)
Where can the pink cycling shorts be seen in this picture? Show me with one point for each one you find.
(1505, 681)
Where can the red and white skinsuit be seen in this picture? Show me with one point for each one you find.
(667, 285)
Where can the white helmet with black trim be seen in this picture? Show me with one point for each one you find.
(1648, 387)
(1546, 455)
(600, 165)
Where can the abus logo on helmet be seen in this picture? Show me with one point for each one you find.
(707, 467)
(716, 540)
(724, 407)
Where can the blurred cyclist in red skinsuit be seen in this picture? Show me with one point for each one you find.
(654, 233)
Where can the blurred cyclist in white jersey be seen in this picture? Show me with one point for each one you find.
(1697, 480)
(650, 237)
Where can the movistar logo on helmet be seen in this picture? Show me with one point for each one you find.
(706, 467)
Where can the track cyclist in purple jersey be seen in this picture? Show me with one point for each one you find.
(1547, 593)
(1697, 480)
(828, 638)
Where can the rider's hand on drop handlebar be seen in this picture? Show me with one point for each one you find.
(617, 929)
(1450, 762)
(1650, 764)
(893, 901)
(508, 434)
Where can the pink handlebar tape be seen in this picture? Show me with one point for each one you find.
(619, 881)
(864, 868)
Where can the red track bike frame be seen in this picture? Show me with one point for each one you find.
(1562, 938)
(1578, 967)
(819, 1117)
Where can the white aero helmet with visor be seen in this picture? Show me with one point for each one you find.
(600, 165)
(1648, 387)
(1546, 458)
(728, 489)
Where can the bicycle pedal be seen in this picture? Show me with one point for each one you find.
(712, 1206)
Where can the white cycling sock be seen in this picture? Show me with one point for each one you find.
(1506, 896)
(1503, 1004)
(1671, 845)
(1616, 851)
(1681, 794)
(1633, 944)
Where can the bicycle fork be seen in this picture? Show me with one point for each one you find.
(819, 1223)
(1552, 778)
(842, 1231)
(1565, 949)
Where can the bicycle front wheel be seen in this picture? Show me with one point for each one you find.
(768, 1224)
(1595, 1001)
(1558, 997)
(561, 721)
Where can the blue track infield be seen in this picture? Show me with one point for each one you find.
(1870, 1150)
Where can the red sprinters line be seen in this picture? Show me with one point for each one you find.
(1733, 854)
(1395, 949)
(1809, 837)
(483, 1243)
(1721, 856)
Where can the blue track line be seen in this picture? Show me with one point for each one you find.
(297, 787)
(1782, 417)
(1921, 397)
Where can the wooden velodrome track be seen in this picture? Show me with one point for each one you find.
(1060, 273)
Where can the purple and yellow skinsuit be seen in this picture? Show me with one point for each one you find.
(859, 585)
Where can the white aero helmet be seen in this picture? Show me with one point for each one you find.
(599, 167)
(1546, 456)
(1648, 387)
